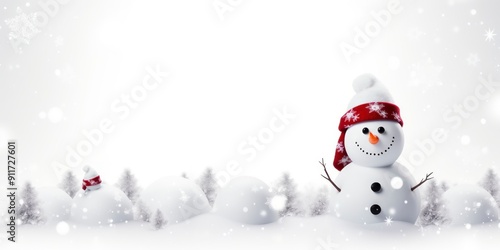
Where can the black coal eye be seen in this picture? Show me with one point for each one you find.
(365, 130)
(381, 130)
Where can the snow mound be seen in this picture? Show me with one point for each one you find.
(470, 204)
(107, 205)
(177, 198)
(55, 204)
(246, 200)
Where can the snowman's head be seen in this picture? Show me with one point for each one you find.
(371, 133)
(374, 143)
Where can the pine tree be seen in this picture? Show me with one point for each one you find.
(29, 211)
(287, 187)
(444, 186)
(128, 184)
(491, 183)
(320, 204)
(69, 184)
(434, 211)
(184, 175)
(142, 211)
(159, 221)
(208, 185)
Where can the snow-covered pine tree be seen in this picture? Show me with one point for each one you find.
(29, 211)
(69, 184)
(159, 221)
(184, 175)
(128, 184)
(142, 211)
(287, 187)
(434, 211)
(320, 204)
(208, 185)
(491, 183)
(444, 186)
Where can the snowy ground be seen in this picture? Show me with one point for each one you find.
(210, 231)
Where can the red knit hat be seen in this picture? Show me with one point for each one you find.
(371, 111)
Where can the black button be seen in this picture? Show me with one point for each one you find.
(376, 187)
(375, 209)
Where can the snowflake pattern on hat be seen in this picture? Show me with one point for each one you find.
(377, 107)
(340, 147)
(351, 116)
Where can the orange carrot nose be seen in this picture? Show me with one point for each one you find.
(373, 139)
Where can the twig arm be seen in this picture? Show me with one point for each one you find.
(327, 177)
(422, 181)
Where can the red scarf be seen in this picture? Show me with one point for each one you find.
(365, 112)
(91, 182)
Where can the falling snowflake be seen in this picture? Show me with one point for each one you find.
(59, 41)
(22, 26)
(415, 34)
(66, 75)
(277, 202)
(489, 35)
(396, 116)
(184, 197)
(351, 116)
(345, 160)
(425, 74)
(340, 147)
(473, 59)
(256, 189)
(388, 220)
(117, 197)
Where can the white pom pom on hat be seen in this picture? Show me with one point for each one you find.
(89, 172)
(369, 89)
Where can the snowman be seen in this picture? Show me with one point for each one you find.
(372, 187)
(91, 180)
(98, 204)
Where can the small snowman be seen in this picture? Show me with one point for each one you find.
(372, 187)
(98, 204)
(91, 180)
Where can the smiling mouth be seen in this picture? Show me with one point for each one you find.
(375, 154)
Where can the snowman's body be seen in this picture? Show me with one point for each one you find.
(362, 200)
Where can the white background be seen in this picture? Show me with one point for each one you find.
(227, 75)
